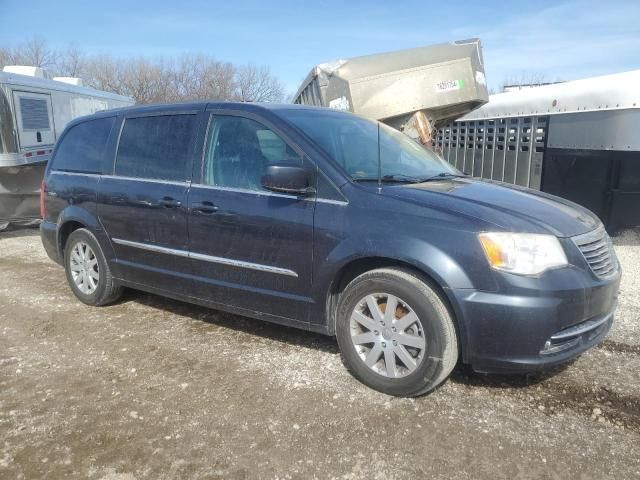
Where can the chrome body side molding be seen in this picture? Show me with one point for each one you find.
(206, 258)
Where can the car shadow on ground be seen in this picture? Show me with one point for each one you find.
(463, 374)
(251, 326)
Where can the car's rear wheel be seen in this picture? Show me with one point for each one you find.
(88, 273)
(395, 333)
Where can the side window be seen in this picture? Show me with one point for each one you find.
(238, 149)
(156, 147)
(82, 148)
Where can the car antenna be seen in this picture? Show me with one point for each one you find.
(379, 162)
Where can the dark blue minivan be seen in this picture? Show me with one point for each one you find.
(326, 221)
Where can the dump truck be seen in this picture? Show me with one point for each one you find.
(417, 90)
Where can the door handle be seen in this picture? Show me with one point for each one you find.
(206, 208)
(169, 202)
(118, 199)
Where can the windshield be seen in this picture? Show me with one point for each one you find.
(352, 142)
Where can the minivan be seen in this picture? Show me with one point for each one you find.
(324, 220)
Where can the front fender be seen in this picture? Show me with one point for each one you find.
(422, 255)
(451, 258)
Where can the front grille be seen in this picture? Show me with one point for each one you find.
(597, 250)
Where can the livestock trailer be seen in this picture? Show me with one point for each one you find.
(416, 90)
(33, 112)
(579, 140)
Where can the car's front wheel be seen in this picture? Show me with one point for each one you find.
(395, 333)
(88, 273)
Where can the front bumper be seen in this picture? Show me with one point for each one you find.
(535, 323)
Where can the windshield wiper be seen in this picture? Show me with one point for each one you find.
(443, 175)
(402, 178)
(364, 179)
(390, 178)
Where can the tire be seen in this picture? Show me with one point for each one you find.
(88, 273)
(420, 319)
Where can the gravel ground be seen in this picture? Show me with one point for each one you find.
(151, 388)
(626, 329)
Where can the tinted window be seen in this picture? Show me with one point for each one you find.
(238, 149)
(157, 147)
(82, 147)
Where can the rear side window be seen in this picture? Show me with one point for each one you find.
(156, 147)
(82, 148)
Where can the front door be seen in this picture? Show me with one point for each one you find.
(143, 204)
(251, 248)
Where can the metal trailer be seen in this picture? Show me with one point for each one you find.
(416, 90)
(579, 140)
(33, 113)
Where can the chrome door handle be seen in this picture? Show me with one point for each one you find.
(169, 202)
(206, 208)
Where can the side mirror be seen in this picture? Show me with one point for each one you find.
(287, 178)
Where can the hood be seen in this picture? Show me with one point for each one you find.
(509, 207)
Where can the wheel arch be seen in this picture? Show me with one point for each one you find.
(71, 219)
(358, 266)
(64, 231)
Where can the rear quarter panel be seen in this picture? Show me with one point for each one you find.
(71, 197)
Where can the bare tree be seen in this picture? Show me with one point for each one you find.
(4, 56)
(71, 62)
(35, 53)
(104, 73)
(146, 81)
(187, 77)
(257, 84)
(201, 77)
(218, 81)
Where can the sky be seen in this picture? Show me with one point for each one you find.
(561, 40)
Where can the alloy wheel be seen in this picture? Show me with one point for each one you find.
(388, 335)
(84, 268)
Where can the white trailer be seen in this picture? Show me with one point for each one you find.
(33, 112)
(578, 140)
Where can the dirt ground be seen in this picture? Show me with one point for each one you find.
(152, 388)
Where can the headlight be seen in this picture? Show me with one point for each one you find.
(522, 253)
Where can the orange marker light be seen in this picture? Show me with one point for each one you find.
(492, 250)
